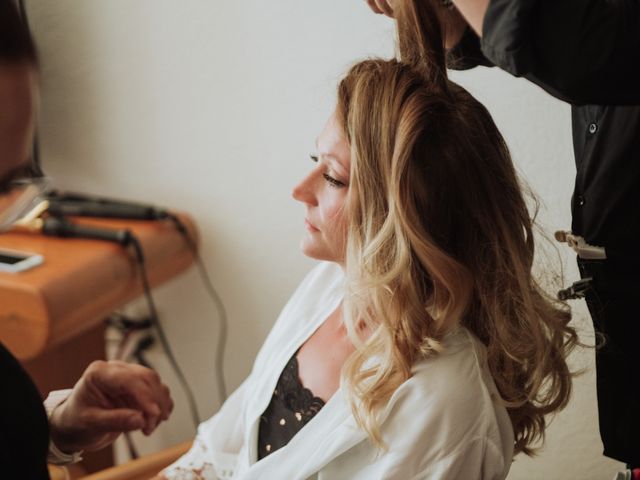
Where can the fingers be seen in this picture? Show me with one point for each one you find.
(155, 399)
(135, 387)
(105, 426)
(385, 6)
(110, 398)
(159, 391)
(372, 4)
(116, 421)
(381, 6)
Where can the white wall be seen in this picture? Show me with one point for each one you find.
(212, 107)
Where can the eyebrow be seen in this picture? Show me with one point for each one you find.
(331, 156)
(336, 162)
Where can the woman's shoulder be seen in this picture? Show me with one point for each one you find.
(454, 386)
(444, 421)
(450, 406)
(458, 371)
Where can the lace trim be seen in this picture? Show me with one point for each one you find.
(294, 395)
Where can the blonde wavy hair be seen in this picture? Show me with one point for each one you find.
(440, 235)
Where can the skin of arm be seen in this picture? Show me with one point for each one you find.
(110, 398)
(473, 12)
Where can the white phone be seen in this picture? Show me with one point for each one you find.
(16, 261)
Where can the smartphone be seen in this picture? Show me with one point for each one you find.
(16, 261)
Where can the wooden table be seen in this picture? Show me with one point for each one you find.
(52, 316)
(81, 281)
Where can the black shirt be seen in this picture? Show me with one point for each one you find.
(606, 198)
(292, 406)
(24, 429)
(584, 52)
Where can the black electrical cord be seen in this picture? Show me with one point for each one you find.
(131, 447)
(60, 226)
(126, 327)
(215, 297)
(153, 314)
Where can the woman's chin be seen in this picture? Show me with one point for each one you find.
(312, 250)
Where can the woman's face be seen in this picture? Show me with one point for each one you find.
(324, 192)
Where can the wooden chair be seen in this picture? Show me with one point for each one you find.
(143, 468)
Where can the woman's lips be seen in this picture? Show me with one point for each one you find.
(310, 226)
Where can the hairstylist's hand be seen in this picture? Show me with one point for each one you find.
(382, 6)
(454, 24)
(110, 398)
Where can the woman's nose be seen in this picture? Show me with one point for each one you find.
(304, 191)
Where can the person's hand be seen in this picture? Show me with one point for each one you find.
(110, 398)
(382, 6)
(453, 23)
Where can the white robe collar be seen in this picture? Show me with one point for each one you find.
(332, 430)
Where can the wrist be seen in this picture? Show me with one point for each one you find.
(59, 457)
(59, 436)
(62, 448)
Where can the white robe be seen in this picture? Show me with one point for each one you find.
(444, 422)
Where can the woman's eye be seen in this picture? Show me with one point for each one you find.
(332, 181)
(328, 178)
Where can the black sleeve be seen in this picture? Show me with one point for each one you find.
(24, 428)
(467, 53)
(581, 51)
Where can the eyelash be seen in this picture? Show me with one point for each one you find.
(332, 181)
(328, 178)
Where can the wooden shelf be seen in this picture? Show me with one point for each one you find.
(82, 281)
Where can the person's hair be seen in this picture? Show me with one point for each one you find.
(16, 43)
(440, 235)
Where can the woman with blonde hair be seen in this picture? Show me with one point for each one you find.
(421, 346)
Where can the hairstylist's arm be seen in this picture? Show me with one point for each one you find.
(110, 398)
(473, 12)
(581, 51)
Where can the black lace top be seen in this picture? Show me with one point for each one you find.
(292, 407)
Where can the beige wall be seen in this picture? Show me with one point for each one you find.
(212, 107)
